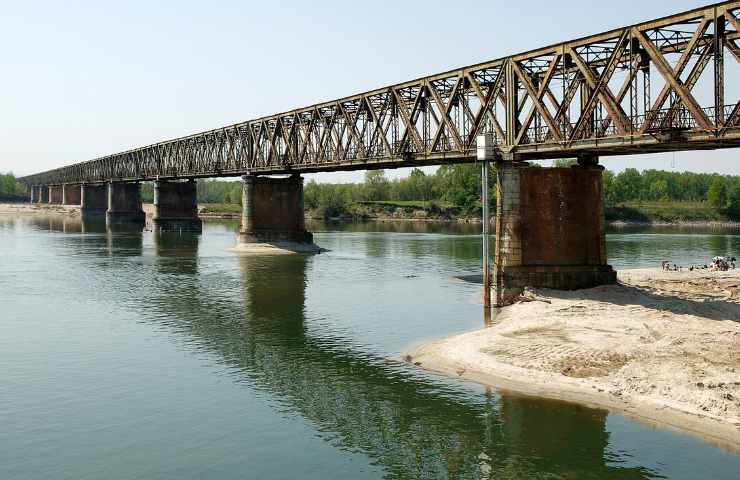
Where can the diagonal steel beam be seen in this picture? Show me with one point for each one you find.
(600, 88)
(544, 86)
(681, 64)
(670, 76)
(524, 80)
(445, 111)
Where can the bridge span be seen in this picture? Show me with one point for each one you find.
(667, 84)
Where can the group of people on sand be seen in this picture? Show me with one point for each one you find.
(718, 264)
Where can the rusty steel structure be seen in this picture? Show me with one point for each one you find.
(652, 87)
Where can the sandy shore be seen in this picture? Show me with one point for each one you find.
(36, 209)
(283, 248)
(663, 347)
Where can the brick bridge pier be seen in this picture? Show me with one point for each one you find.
(272, 213)
(550, 230)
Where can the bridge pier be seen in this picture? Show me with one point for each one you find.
(71, 194)
(34, 194)
(176, 207)
(124, 203)
(93, 199)
(550, 230)
(55, 194)
(43, 194)
(272, 213)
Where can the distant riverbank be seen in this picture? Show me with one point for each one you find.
(685, 214)
(661, 346)
(628, 215)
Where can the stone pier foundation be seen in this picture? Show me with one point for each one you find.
(272, 213)
(176, 207)
(56, 195)
(71, 194)
(549, 229)
(124, 203)
(93, 199)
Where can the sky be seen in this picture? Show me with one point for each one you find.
(86, 79)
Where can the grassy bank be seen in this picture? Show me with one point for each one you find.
(370, 210)
(220, 209)
(664, 212)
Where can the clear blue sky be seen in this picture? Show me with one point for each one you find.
(84, 79)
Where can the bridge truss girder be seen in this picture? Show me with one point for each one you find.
(634, 89)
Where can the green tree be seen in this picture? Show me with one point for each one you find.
(733, 200)
(717, 194)
(629, 184)
(7, 184)
(610, 190)
(659, 190)
(376, 185)
(564, 162)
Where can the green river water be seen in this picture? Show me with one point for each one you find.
(135, 355)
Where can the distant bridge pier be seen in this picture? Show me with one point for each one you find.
(272, 213)
(93, 199)
(34, 194)
(43, 194)
(124, 203)
(176, 206)
(55, 194)
(71, 194)
(550, 230)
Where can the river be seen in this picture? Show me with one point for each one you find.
(135, 355)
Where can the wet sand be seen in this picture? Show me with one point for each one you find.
(663, 347)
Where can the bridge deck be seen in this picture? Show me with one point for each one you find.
(652, 87)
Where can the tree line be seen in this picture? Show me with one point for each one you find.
(631, 185)
(10, 188)
(459, 186)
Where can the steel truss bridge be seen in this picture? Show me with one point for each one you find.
(664, 85)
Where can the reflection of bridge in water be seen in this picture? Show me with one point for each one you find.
(413, 428)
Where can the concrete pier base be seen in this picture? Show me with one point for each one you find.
(272, 216)
(550, 230)
(176, 207)
(93, 200)
(71, 194)
(124, 204)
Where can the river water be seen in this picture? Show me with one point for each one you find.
(134, 355)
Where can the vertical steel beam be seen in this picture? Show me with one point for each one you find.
(512, 104)
(719, 68)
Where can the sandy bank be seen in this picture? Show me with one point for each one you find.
(38, 209)
(663, 347)
(281, 248)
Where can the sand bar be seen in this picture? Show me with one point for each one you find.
(663, 347)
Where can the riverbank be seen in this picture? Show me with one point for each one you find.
(663, 347)
(39, 209)
(685, 214)
(233, 212)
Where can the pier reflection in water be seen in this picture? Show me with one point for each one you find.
(363, 402)
(280, 329)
